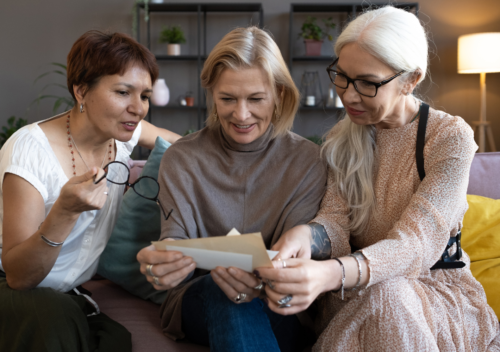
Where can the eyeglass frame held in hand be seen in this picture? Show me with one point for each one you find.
(329, 70)
(131, 185)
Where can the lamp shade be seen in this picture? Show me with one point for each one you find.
(479, 53)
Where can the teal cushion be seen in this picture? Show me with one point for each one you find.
(138, 224)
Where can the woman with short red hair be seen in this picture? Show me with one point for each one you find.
(56, 220)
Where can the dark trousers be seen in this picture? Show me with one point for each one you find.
(45, 320)
(209, 318)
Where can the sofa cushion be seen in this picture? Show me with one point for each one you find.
(137, 225)
(140, 317)
(483, 178)
(481, 241)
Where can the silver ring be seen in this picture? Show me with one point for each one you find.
(285, 300)
(284, 306)
(156, 280)
(284, 264)
(240, 298)
(106, 193)
(149, 270)
(259, 286)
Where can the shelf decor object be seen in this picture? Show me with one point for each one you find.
(174, 36)
(480, 53)
(161, 93)
(310, 89)
(313, 34)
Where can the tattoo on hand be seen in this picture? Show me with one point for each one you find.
(321, 247)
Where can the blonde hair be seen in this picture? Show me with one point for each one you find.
(397, 38)
(250, 47)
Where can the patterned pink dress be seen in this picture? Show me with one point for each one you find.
(405, 306)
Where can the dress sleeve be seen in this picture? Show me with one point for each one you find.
(419, 237)
(334, 216)
(23, 156)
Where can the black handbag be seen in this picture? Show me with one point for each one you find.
(446, 261)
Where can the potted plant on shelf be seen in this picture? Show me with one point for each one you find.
(174, 37)
(313, 34)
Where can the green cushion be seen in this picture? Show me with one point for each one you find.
(138, 224)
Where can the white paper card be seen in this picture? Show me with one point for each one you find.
(208, 260)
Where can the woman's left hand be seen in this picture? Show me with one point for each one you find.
(303, 279)
(235, 282)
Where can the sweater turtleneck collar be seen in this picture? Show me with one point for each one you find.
(257, 145)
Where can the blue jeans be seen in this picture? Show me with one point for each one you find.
(209, 318)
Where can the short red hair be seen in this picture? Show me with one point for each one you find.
(96, 54)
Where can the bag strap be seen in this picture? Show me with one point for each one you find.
(422, 126)
(446, 261)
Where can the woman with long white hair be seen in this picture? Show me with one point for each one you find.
(398, 176)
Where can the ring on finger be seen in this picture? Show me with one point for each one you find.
(259, 286)
(240, 298)
(285, 300)
(149, 269)
(284, 306)
(284, 264)
(156, 280)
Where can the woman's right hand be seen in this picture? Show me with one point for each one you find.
(80, 193)
(295, 243)
(170, 267)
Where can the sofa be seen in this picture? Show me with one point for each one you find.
(142, 318)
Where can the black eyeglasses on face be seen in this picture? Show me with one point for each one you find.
(146, 186)
(363, 87)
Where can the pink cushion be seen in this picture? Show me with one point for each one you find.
(484, 178)
(140, 317)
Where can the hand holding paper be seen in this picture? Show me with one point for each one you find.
(246, 252)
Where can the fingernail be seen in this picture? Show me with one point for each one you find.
(214, 274)
(232, 271)
(256, 273)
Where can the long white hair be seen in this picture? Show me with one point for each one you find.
(397, 38)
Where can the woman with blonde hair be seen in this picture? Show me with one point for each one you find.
(397, 192)
(244, 170)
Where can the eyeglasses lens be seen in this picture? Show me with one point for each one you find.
(117, 173)
(366, 88)
(147, 187)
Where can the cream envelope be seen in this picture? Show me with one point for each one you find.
(246, 252)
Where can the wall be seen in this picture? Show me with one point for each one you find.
(35, 33)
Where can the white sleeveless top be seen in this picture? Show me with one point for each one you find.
(28, 154)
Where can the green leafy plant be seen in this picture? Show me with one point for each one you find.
(12, 126)
(172, 35)
(315, 139)
(311, 30)
(189, 132)
(60, 100)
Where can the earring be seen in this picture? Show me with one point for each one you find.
(81, 108)
(278, 116)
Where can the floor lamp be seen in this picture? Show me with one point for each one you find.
(480, 53)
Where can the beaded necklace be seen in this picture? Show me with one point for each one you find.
(71, 142)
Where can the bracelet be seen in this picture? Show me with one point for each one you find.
(49, 242)
(360, 272)
(343, 278)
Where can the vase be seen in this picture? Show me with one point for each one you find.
(174, 49)
(313, 47)
(161, 93)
